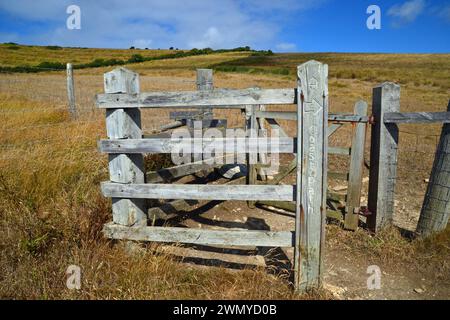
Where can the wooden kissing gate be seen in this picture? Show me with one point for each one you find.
(128, 190)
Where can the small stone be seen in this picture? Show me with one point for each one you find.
(419, 290)
(426, 180)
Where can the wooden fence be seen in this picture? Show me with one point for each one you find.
(129, 185)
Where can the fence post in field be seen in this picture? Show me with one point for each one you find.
(435, 211)
(71, 92)
(356, 169)
(125, 123)
(311, 186)
(383, 156)
(205, 82)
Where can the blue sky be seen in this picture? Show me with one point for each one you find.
(283, 25)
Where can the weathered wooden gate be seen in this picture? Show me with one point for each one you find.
(128, 190)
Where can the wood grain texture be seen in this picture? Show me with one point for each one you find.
(125, 168)
(356, 170)
(417, 117)
(312, 145)
(198, 191)
(383, 156)
(435, 211)
(253, 238)
(199, 99)
(169, 145)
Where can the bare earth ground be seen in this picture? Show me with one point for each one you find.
(348, 254)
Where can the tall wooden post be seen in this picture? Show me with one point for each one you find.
(205, 83)
(383, 156)
(435, 211)
(356, 169)
(71, 92)
(125, 123)
(312, 148)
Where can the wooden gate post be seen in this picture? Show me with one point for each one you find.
(71, 92)
(125, 168)
(251, 127)
(435, 211)
(356, 169)
(312, 148)
(383, 156)
(205, 82)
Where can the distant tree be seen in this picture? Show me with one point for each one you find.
(171, 48)
(132, 48)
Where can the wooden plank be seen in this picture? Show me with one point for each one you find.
(312, 111)
(170, 174)
(125, 168)
(335, 117)
(198, 99)
(168, 145)
(383, 157)
(340, 117)
(417, 117)
(356, 170)
(435, 211)
(253, 238)
(71, 92)
(198, 191)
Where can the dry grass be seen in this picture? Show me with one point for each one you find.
(12, 55)
(51, 210)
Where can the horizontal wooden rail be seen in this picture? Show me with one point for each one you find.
(167, 145)
(191, 99)
(251, 238)
(416, 117)
(286, 115)
(198, 191)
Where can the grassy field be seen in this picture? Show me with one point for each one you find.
(13, 55)
(52, 212)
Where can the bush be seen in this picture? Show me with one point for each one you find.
(136, 58)
(53, 47)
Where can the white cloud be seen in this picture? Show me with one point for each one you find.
(285, 46)
(161, 24)
(142, 43)
(407, 12)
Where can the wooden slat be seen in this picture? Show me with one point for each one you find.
(198, 191)
(416, 117)
(252, 238)
(214, 98)
(163, 145)
(356, 170)
(339, 117)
